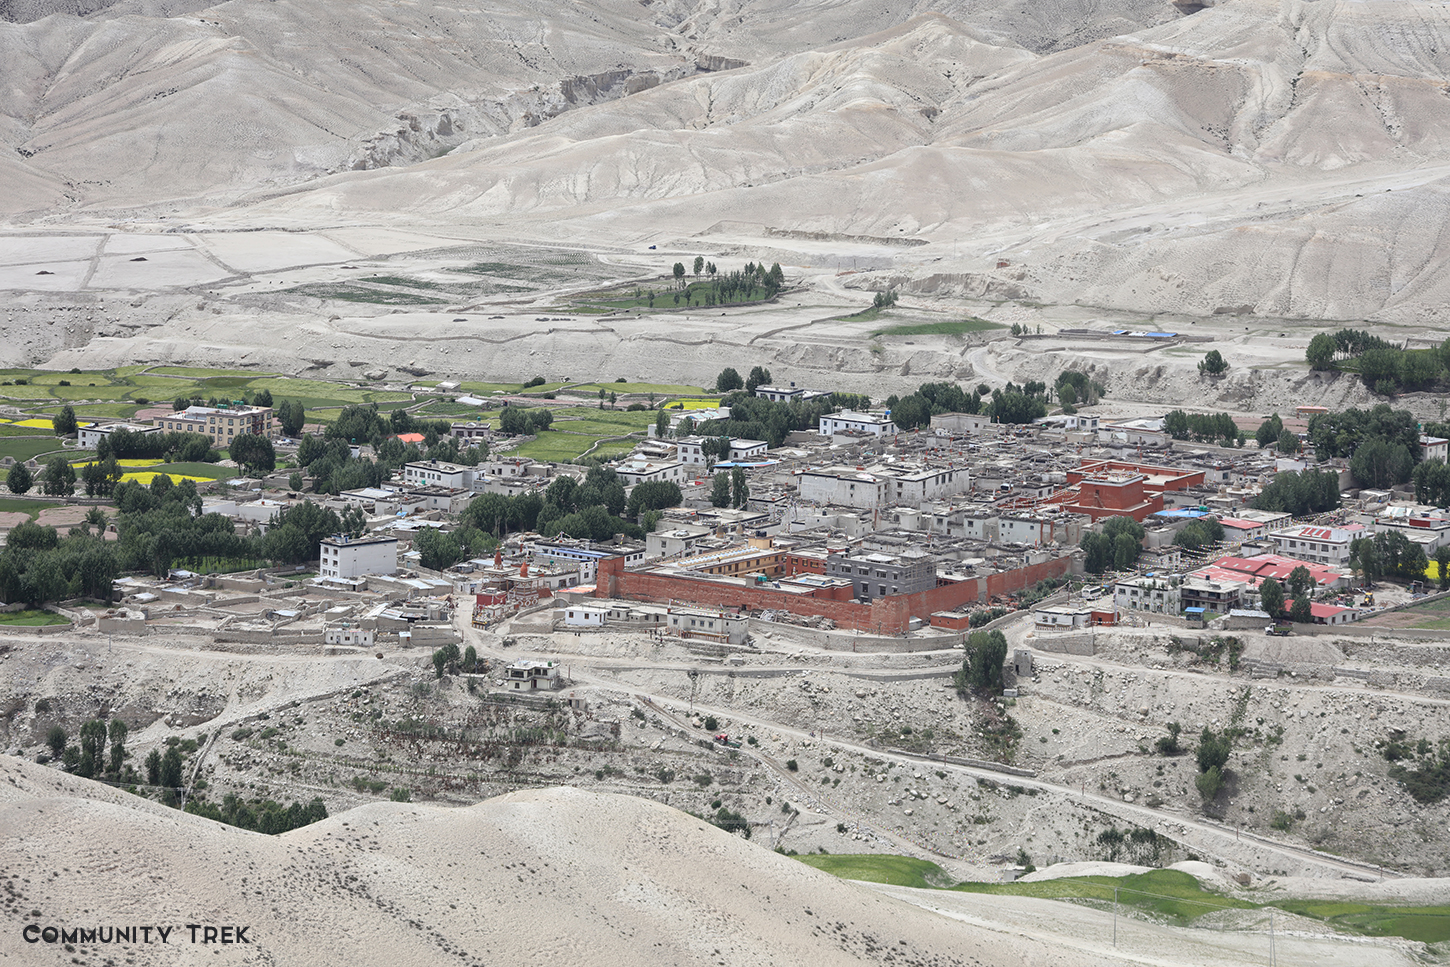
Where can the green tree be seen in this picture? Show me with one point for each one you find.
(1212, 756)
(59, 478)
(699, 265)
(662, 424)
(19, 479)
(171, 768)
(1288, 442)
(1301, 611)
(1271, 597)
(153, 768)
(254, 453)
(1300, 581)
(56, 739)
(295, 481)
(739, 490)
(720, 490)
(290, 416)
(1442, 567)
(759, 376)
(679, 271)
(118, 748)
(1213, 364)
(64, 422)
(1268, 432)
(1320, 353)
(728, 381)
(93, 748)
(986, 653)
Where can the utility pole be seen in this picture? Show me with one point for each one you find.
(1115, 916)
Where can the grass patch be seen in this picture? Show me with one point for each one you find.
(693, 296)
(26, 448)
(208, 471)
(7, 429)
(32, 619)
(957, 328)
(118, 411)
(555, 446)
(203, 372)
(19, 505)
(879, 868)
(219, 565)
(659, 389)
(1425, 924)
(356, 293)
(1166, 894)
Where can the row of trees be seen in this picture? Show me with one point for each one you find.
(1204, 428)
(729, 380)
(1300, 492)
(91, 758)
(1383, 367)
(260, 815)
(981, 671)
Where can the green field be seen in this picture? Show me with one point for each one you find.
(693, 294)
(957, 328)
(1163, 895)
(201, 372)
(357, 293)
(208, 470)
(32, 619)
(24, 448)
(83, 411)
(880, 868)
(1425, 924)
(19, 505)
(659, 389)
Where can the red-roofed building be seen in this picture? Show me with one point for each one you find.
(1116, 488)
(411, 437)
(1253, 570)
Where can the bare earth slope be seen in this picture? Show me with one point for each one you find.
(543, 877)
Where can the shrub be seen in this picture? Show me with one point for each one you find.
(792, 765)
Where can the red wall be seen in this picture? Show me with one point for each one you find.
(888, 615)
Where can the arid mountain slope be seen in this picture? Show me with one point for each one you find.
(542, 877)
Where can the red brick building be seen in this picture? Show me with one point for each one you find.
(1113, 488)
(890, 614)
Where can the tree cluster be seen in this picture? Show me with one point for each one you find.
(1116, 547)
(171, 447)
(1384, 367)
(1383, 444)
(1201, 533)
(1391, 555)
(1213, 364)
(1203, 427)
(986, 653)
(1212, 757)
(1300, 492)
(260, 815)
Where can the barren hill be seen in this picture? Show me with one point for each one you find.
(544, 877)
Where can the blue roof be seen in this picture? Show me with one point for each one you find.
(1194, 610)
(1182, 512)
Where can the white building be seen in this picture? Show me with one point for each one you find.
(438, 473)
(844, 486)
(718, 626)
(1143, 433)
(643, 471)
(1321, 545)
(532, 675)
(913, 484)
(690, 450)
(849, 421)
(1434, 448)
(351, 557)
(89, 436)
(585, 616)
(345, 634)
(1146, 594)
(747, 450)
(779, 394)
